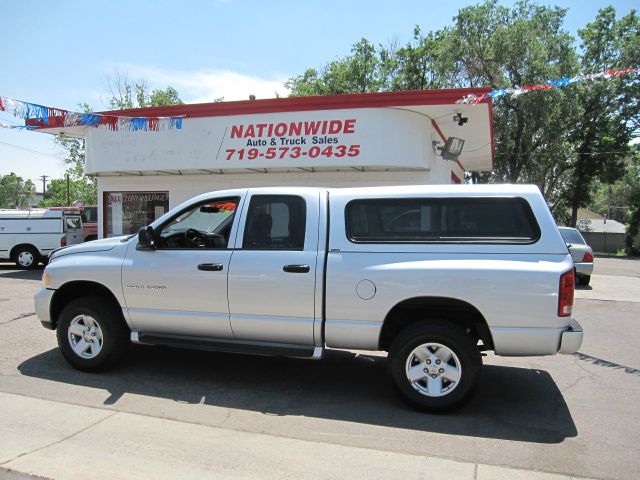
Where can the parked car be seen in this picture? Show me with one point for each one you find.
(28, 236)
(581, 254)
(434, 275)
(89, 214)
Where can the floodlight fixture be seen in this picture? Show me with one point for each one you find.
(452, 148)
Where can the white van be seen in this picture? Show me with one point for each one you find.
(28, 236)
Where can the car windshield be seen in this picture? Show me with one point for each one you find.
(204, 218)
(571, 235)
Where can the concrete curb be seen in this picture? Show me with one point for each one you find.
(63, 441)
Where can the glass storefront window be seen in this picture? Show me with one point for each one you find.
(126, 212)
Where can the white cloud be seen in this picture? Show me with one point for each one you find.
(208, 85)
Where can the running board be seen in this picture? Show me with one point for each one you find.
(229, 346)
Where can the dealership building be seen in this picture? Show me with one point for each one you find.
(394, 138)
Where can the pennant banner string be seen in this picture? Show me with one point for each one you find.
(37, 116)
(557, 84)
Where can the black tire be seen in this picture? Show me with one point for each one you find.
(584, 280)
(458, 341)
(26, 257)
(112, 327)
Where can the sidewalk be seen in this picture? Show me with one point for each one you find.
(64, 441)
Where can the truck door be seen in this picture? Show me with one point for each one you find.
(180, 286)
(72, 227)
(272, 276)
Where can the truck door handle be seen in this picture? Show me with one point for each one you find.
(296, 268)
(210, 267)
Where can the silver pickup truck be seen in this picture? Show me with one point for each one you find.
(433, 275)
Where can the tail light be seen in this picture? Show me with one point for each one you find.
(63, 242)
(588, 257)
(565, 297)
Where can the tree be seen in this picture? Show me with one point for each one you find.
(15, 192)
(491, 45)
(356, 73)
(609, 109)
(418, 65)
(78, 187)
(620, 201)
(123, 94)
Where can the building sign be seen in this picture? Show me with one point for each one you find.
(322, 139)
(292, 140)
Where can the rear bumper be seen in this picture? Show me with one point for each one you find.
(571, 339)
(42, 302)
(528, 341)
(584, 268)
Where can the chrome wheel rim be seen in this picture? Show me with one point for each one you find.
(433, 369)
(85, 336)
(25, 258)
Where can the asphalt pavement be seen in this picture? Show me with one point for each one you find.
(171, 413)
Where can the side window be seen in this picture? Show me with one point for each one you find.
(445, 220)
(508, 219)
(275, 222)
(73, 223)
(391, 220)
(204, 226)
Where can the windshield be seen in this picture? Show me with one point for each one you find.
(571, 235)
(204, 218)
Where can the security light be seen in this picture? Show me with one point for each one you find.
(460, 120)
(452, 148)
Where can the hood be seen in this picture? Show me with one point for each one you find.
(87, 247)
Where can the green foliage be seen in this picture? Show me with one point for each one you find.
(618, 199)
(356, 73)
(80, 186)
(15, 192)
(608, 110)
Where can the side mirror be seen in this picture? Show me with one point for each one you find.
(146, 238)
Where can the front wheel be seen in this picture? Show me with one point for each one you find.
(435, 365)
(92, 334)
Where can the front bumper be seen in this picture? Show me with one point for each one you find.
(42, 302)
(571, 339)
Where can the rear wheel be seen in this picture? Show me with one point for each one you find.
(584, 280)
(26, 257)
(436, 366)
(92, 334)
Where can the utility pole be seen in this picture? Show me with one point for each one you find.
(68, 191)
(44, 184)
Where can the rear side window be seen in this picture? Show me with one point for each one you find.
(444, 220)
(569, 235)
(275, 222)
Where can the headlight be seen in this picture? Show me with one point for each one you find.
(46, 279)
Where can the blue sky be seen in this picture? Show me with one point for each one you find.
(61, 53)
